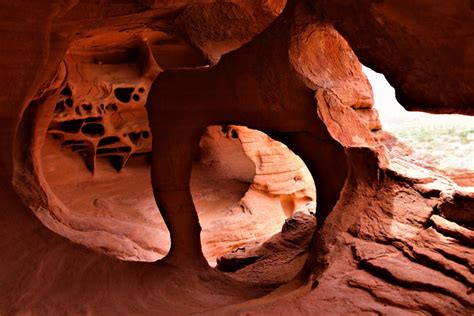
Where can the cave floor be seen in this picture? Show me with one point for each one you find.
(127, 197)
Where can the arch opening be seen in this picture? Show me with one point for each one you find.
(260, 229)
(250, 191)
(417, 141)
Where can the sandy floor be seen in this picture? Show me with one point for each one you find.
(127, 197)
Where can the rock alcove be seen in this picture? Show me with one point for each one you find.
(244, 184)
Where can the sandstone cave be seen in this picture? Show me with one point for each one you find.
(227, 157)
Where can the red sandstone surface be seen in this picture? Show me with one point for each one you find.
(224, 158)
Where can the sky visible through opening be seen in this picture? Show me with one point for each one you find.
(446, 139)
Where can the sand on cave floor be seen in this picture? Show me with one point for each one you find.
(127, 197)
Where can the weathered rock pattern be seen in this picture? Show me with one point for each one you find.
(278, 259)
(99, 112)
(392, 237)
(107, 118)
(458, 207)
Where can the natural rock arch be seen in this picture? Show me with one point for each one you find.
(234, 96)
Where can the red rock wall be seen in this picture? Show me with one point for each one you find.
(386, 242)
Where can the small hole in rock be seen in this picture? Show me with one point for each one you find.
(146, 134)
(69, 102)
(123, 94)
(134, 137)
(72, 126)
(87, 107)
(117, 162)
(105, 151)
(141, 89)
(66, 91)
(93, 130)
(136, 97)
(108, 141)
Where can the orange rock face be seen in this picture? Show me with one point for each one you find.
(144, 142)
